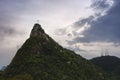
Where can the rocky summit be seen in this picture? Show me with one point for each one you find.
(42, 58)
(37, 31)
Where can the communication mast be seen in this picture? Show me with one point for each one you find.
(105, 52)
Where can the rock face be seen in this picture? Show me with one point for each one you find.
(37, 31)
(41, 58)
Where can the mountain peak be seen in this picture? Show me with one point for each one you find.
(41, 58)
(37, 30)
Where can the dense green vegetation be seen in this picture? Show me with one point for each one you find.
(41, 58)
(21, 77)
(110, 64)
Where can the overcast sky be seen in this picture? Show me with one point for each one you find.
(88, 27)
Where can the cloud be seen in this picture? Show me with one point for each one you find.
(101, 4)
(9, 15)
(7, 27)
(61, 31)
(84, 21)
(105, 28)
(76, 48)
(5, 31)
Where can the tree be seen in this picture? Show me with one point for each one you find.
(21, 77)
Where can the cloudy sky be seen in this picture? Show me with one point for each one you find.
(88, 27)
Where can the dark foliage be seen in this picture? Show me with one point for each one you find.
(110, 64)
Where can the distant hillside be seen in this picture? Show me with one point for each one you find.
(110, 64)
(107, 63)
